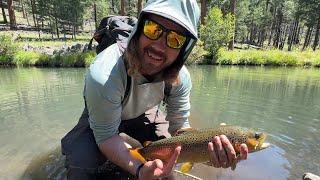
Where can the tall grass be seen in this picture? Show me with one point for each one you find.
(269, 58)
(24, 58)
(7, 50)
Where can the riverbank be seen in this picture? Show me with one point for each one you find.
(269, 58)
(44, 53)
(31, 58)
(14, 52)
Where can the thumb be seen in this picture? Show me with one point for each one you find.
(157, 163)
(152, 169)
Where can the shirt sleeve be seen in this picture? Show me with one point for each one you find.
(104, 91)
(178, 102)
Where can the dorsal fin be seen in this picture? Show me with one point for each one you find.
(184, 131)
(147, 143)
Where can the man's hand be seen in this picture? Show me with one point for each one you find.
(157, 169)
(222, 153)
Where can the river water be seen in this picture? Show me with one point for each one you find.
(38, 106)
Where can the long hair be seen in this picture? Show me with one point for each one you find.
(170, 74)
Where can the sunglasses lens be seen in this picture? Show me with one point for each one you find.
(152, 30)
(175, 40)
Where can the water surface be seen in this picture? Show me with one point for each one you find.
(38, 106)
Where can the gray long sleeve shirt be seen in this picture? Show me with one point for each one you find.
(105, 86)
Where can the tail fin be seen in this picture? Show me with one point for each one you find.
(135, 153)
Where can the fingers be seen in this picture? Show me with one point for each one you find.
(222, 153)
(157, 163)
(151, 169)
(243, 152)
(231, 153)
(172, 161)
(162, 170)
(213, 156)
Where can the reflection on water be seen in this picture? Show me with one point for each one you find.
(284, 102)
(48, 165)
(38, 106)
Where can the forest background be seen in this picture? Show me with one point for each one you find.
(232, 32)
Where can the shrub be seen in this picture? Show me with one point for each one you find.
(316, 61)
(88, 57)
(265, 57)
(24, 58)
(43, 60)
(7, 50)
(217, 31)
(197, 54)
(5, 60)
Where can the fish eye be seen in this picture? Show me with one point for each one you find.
(257, 135)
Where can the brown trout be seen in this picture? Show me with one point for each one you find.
(194, 144)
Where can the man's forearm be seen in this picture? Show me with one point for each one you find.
(116, 151)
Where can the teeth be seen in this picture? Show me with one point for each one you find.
(154, 56)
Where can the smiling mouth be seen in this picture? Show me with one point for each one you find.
(154, 56)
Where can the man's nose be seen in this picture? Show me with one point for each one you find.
(163, 39)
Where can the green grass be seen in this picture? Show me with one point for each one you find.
(269, 58)
(22, 38)
(23, 58)
(13, 55)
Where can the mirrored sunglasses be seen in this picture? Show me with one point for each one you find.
(154, 31)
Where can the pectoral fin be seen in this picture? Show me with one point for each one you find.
(186, 167)
(135, 153)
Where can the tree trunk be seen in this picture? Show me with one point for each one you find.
(251, 38)
(27, 19)
(74, 32)
(95, 15)
(233, 12)
(3, 13)
(64, 32)
(122, 8)
(57, 28)
(33, 13)
(306, 38)
(271, 34)
(12, 16)
(23, 10)
(292, 35)
(316, 37)
(283, 37)
(278, 33)
(139, 6)
(297, 37)
(50, 26)
(309, 37)
(25, 13)
(261, 37)
(203, 10)
(113, 7)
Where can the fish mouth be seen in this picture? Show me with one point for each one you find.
(257, 143)
(264, 145)
(261, 145)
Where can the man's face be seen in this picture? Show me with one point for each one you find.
(155, 55)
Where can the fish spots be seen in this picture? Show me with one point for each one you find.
(195, 144)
